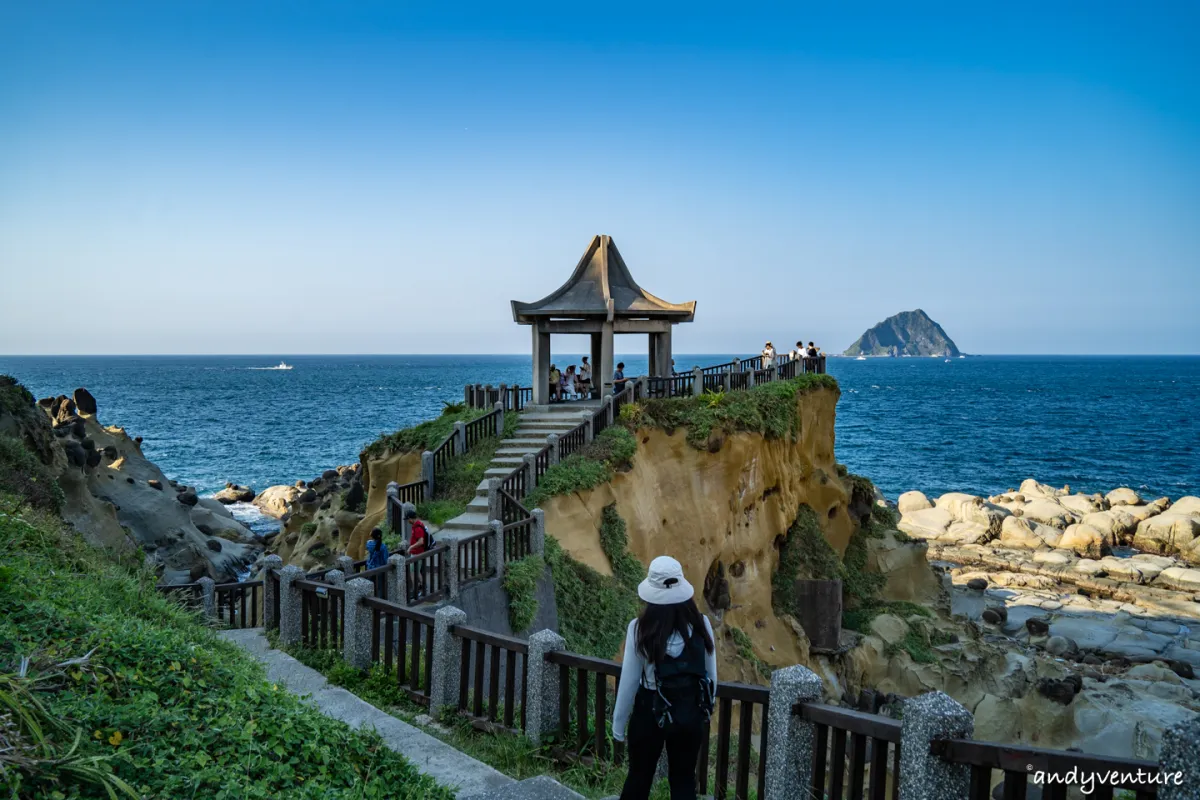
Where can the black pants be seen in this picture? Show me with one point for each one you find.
(643, 745)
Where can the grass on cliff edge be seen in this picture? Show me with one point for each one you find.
(424, 435)
(161, 703)
(769, 409)
(611, 450)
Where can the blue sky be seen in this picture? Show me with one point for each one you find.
(311, 178)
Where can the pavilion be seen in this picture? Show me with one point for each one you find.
(601, 299)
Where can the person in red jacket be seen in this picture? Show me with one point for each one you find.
(419, 541)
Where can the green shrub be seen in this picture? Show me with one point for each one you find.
(613, 449)
(14, 398)
(174, 710)
(308, 528)
(520, 581)
(615, 543)
(438, 512)
(769, 409)
(745, 649)
(593, 609)
(23, 475)
(805, 554)
(425, 435)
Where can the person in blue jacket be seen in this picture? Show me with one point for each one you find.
(377, 552)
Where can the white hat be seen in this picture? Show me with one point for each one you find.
(665, 584)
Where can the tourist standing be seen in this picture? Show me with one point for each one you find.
(555, 383)
(799, 351)
(418, 543)
(619, 379)
(768, 356)
(585, 378)
(377, 551)
(568, 382)
(668, 684)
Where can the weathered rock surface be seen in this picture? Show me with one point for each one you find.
(276, 501)
(318, 521)
(232, 493)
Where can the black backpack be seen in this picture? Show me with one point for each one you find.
(684, 697)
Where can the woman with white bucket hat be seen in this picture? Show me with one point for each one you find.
(668, 684)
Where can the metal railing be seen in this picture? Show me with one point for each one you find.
(517, 528)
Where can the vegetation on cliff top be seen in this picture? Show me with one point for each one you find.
(769, 409)
(611, 450)
(107, 684)
(424, 435)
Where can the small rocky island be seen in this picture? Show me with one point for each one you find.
(909, 333)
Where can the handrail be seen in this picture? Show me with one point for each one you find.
(1018, 761)
(850, 720)
(490, 638)
(573, 440)
(398, 610)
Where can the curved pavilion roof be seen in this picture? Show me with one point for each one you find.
(602, 287)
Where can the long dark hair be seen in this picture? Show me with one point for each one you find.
(658, 622)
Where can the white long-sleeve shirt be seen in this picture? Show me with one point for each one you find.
(636, 671)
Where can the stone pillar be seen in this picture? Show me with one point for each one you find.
(541, 688)
(664, 353)
(530, 470)
(495, 547)
(698, 384)
(335, 577)
(552, 441)
(494, 498)
(541, 366)
(397, 581)
(270, 621)
(345, 564)
(596, 357)
(393, 501)
(607, 402)
(208, 596)
(427, 472)
(604, 369)
(750, 378)
(538, 539)
(926, 776)
(357, 629)
(652, 365)
(460, 438)
(727, 380)
(587, 430)
(450, 567)
(447, 655)
(790, 745)
(499, 409)
(467, 395)
(289, 605)
(1179, 761)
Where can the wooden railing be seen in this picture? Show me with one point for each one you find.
(378, 577)
(237, 604)
(853, 750)
(443, 453)
(403, 637)
(273, 576)
(1019, 763)
(321, 606)
(734, 759)
(541, 463)
(599, 421)
(582, 730)
(516, 483)
(412, 492)
(488, 705)
(571, 442)
(675, 386)
(477, 430)
(714, 382)
(517, 528)
(750, 364)
(474, 558)
(424, 575)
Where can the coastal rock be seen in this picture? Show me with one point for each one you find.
(1085, 540)
(1183, 579)
(1023, 533)
(232, 493)
(1123, 497)
(1187, 505)
(1167, 533)
(890, 628)
(912, 501)
(1115, 525)
(1048, 513)
(1060, 646)
(84, 402)
(1082, 504)
(188, 498)
(1032, 489)
(907, 575)
(928, 523)
(275, 501)
(910, 333)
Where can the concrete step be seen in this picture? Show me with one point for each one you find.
(518, 449)
(543, 787)
(478, 504)
(512, 462)
(471, 521)
(497, 472)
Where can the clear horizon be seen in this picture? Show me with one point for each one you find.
(313, 178)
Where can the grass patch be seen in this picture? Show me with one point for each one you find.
(769, 409)
(615, 543)
(918, 646)
(520, 581)
(438, 512)
(308, 528)
(593, 609)
(859, 619)
(23, 476)
(425, 435)
(596, 463)
(745, 649)
(161, 703)
(805, 554)
(14, 398)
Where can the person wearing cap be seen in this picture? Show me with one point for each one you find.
(668, 684)
(768, 356)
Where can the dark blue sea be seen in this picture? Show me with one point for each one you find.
(978, 424)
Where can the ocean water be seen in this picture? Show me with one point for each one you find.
(979, 425)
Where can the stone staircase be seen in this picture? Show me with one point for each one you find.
(530, 437)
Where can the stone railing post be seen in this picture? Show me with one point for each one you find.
(926, 776)
(467, 395)
(790, 745)
(537, 542)
(529, 460)
(487, 396)
(427, 468)
(397, 581)
(393, 501)
(504, 397)
(443, 683)
(750, 378)
(698, 381)
(495, 547)
(335, 577)
(727, 381)
(450, 569)
(357, 629)
(494, 497)
(208, 596)
(270, 620)
(460, 438)
(608, 409)
(1179, 768)
(552, 442)
(541, 687)
(345, 564)
(499, 409)
(289, 604)
(587, 430)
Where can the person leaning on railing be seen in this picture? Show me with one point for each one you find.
(668, 683)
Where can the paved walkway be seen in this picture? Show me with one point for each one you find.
(435, 758)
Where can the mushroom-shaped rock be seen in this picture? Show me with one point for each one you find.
(1123, 497)
(912, 501)
(232, 493)
(155, 484)
(188, 498)
(84, 402)
(1085, 540)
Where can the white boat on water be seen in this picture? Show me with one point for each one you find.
(861, 358)
(947, 361)
(283, 365)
